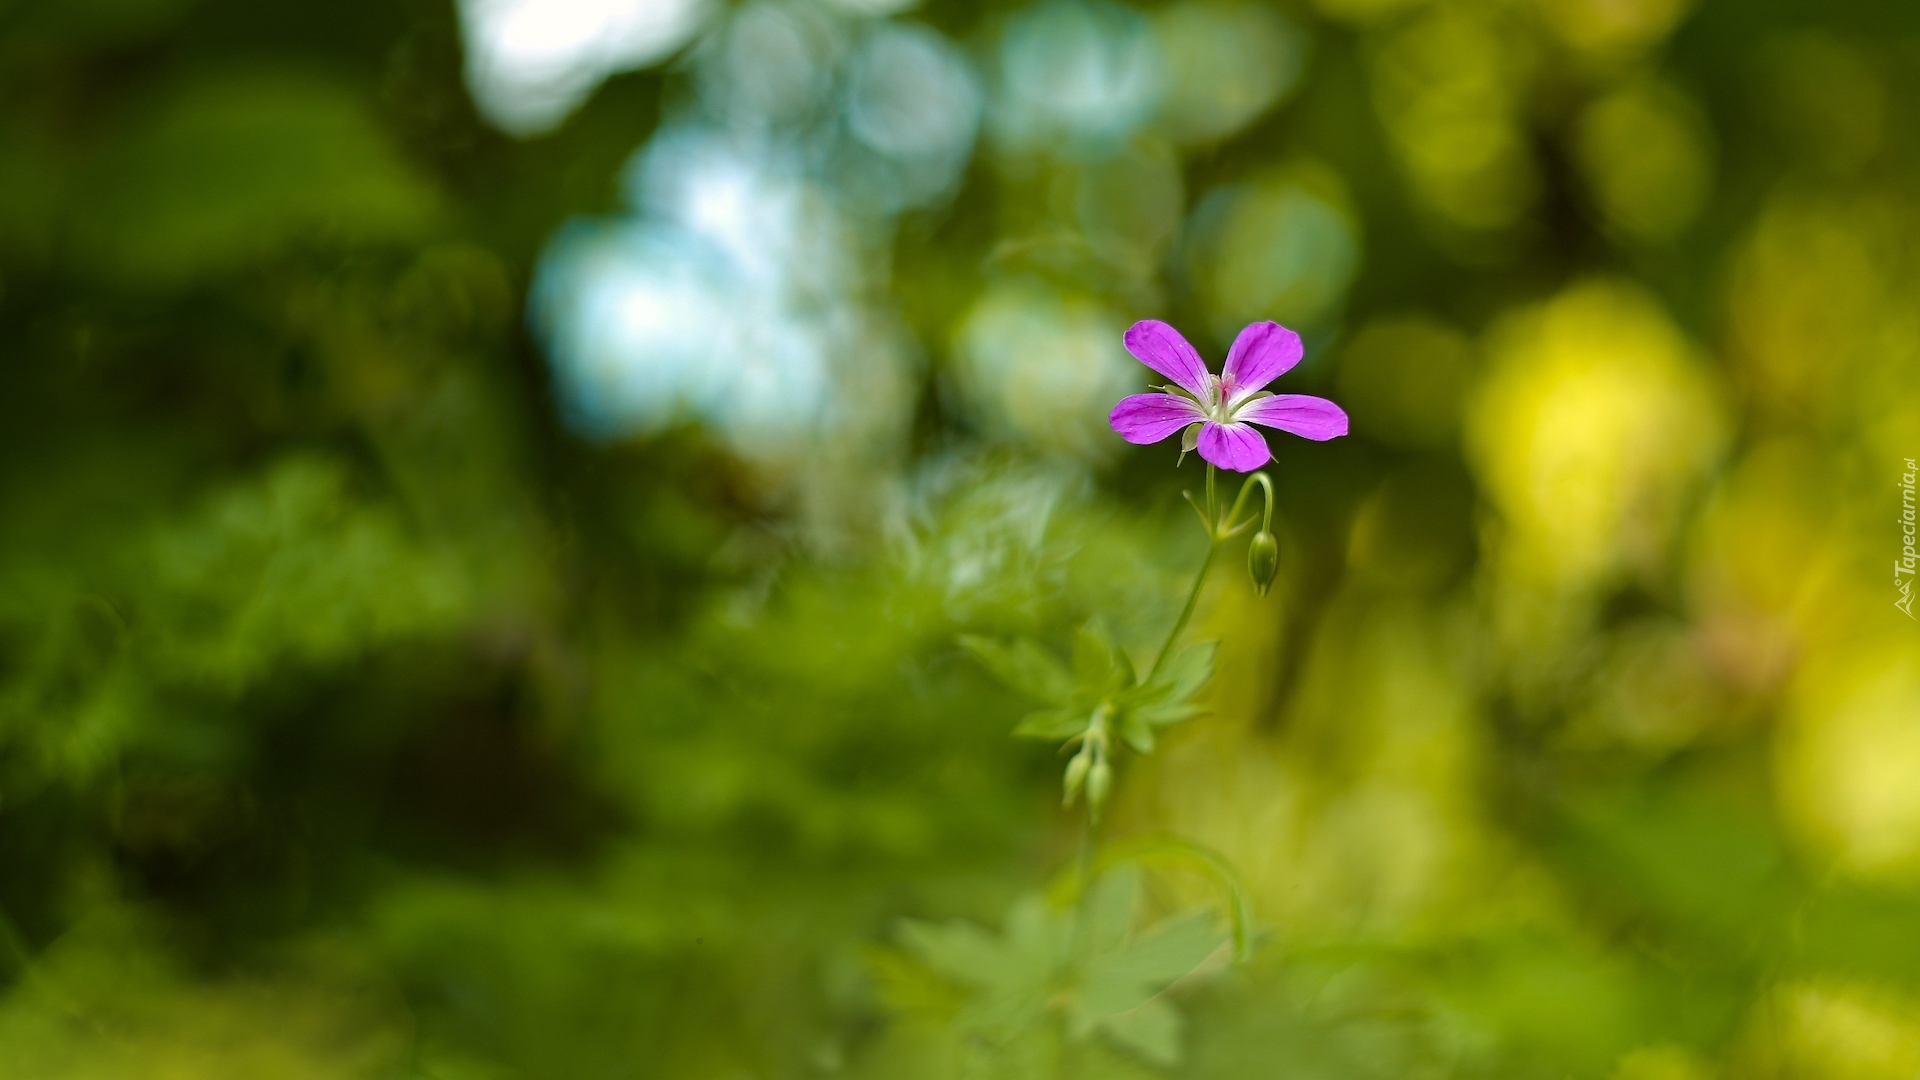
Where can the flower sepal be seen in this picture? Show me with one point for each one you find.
(1189, 439)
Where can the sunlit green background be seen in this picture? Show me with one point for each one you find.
(489, 492)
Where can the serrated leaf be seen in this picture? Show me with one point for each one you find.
(1189, 671)
(1137, 731)
(1170, 950)
(1023, 666)
(1151, 1029)
(1040, 933)
(1005, 1013)
(1051, 724)
(1152, 716)
(1033, 1054)
(1092, 656)
(1120, 978)
(1168, 699)
(1109, 909)
(1088, 958)
(1099, 667)
(1172, 851)
(958, 950)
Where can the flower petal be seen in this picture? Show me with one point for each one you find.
(1161, 348)
(1303, 414)
(1234, 446)
(1148, 418)
(1263, 352)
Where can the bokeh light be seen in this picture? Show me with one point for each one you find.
(911, 98)
(694, 310)
(1826, 96)
(1613, 29)
(1076, 73)
(1644, 148)
(531, 62)
(507, 507)
(770, 67)
(1405, 378)
(1448, 86)
(1227, 63)
(1043, 367)
(1130, 205)
(734, 291)
(1848, 753)
(1834, 1028)
(1282, 247)
(1593, 421)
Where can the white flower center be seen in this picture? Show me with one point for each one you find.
(1219, 404)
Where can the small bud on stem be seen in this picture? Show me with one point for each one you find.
(1076, 774)
(1263, 560)
(1099, 782)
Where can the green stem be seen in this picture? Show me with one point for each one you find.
(1193, 597)
(1083, 862)
(1233, 524)
(1219, 530)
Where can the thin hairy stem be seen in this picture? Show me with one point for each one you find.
(1233, 516)
(1186, 612)
(1083, 862)
(1083, 880)
(1217, 531)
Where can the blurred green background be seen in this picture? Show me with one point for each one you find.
(489, 493)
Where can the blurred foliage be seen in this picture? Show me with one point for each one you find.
(358, 719)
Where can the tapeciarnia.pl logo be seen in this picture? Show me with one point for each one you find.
(1903, 566)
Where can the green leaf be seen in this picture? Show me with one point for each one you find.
(1040, 933)
(1120, 994)
(958, 950)
(1023, 666)
(1173, 851)
(1136, 731)
(1151, 1029)
(1099, 667)
(1051, 724)
(1170, 950)
(1109, 907)
(1190, 669)
(1168, 699)
(1122, 973)
(1161, 715)
(1012, 975)
(1108, 975)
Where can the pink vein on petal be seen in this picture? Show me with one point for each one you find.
(1148, 418)
(1304, 415)
(1263, 352)
(1161, 348)
(1233, 446)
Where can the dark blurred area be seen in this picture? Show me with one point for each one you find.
(489, 493)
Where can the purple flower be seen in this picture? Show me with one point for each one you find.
(1217, 410)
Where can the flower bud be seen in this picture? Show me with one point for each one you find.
(1076, 775)
(1263, 560)
(1099, 779)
